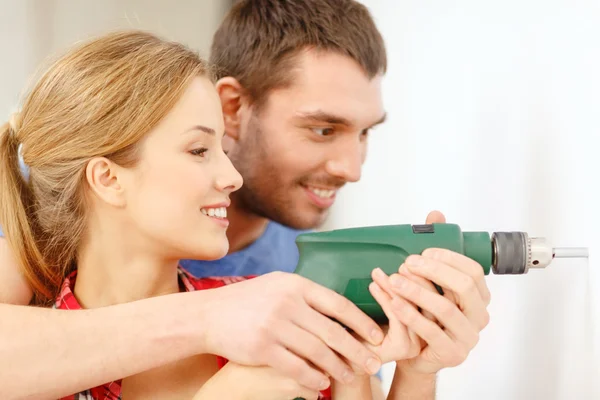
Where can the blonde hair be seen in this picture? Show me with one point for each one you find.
(99, 99)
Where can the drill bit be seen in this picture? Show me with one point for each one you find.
(570, 252)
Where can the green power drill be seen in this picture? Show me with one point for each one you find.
(343, 259)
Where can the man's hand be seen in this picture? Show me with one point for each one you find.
(450, 324)
(283, 320)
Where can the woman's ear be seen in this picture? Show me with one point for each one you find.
(103, 178)
(231, 94)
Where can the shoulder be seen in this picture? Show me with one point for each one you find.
(280, 237)
(277, 229)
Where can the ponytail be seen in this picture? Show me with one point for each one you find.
(17, 217)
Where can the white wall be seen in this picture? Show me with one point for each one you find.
(32, 30)
(494, 118)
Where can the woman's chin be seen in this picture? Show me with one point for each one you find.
(210, 253)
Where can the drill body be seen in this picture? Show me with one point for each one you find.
(342, 259)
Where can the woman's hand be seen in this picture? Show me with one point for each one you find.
(240, 382)
(400, 343)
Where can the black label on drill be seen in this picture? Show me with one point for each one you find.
(423, 228)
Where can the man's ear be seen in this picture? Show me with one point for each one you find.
(232, 98)
(103, 178)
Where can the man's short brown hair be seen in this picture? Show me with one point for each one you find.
(259, 39)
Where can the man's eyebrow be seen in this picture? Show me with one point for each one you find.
(326, 117)
(202, 128)
(333, 119)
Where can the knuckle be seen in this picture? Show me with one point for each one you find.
(413, 291)
(291, 279)
(434, 253)
(408, 315)
(315, 351)
(487, 298)
(485, 320)
(341, 305)
(257, 349)
(477, 273)
(334, 333)
(466, 285)
(474, 340)
(277, 275)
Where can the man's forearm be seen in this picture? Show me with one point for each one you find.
(412, 386)
(49, 353)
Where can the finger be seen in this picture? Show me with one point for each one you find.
(383, 283)
(384, 300)
(462, 285)
(449, 294)
(334, 305)
(297, 369)
(426, 284)
(463, 264)
(435, 217)
(313, 349)
(338, 339)
(425, 328)
(446, 312)
(382, 280)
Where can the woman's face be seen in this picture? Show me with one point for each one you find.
(178, 194)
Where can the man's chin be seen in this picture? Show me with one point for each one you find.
(309, 220)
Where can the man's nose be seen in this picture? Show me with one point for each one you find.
(347, 162)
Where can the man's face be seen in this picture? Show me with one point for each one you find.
(307, 140)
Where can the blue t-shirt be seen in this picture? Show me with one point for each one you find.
(274, 250)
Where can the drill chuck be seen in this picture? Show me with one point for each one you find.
(514, 253)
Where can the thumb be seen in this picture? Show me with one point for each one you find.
(435, 217)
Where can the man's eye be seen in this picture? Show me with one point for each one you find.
(199, 152)
(323, 131)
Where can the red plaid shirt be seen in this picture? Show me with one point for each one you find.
(112, 390)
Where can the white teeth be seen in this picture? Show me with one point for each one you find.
(220, 212)
(325, 194)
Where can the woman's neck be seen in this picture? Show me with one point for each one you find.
(112, 270)
(244, 228)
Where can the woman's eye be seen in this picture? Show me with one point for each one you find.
(323, 131)
(199, 152)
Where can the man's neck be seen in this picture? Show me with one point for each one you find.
(244, 228)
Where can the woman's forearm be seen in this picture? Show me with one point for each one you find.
(221, 384)
(412, 386)
(360, 389)
(49, 353)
